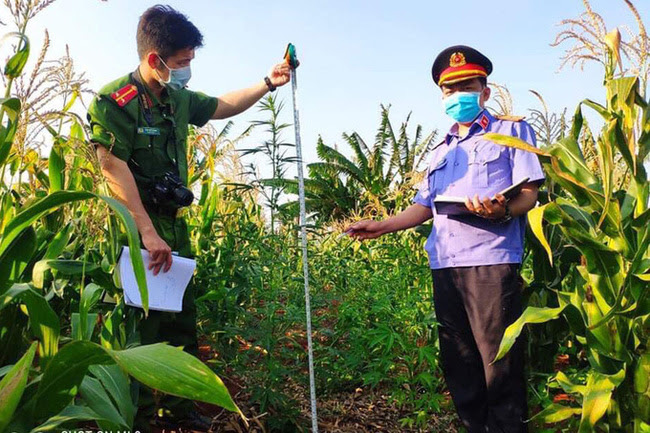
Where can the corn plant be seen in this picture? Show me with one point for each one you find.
(600, 232)
(66, 358)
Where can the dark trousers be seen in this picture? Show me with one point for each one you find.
(474, 305)
(177, 329)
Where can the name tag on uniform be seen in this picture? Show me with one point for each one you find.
(148, 130)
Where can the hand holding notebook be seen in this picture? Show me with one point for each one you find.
(450, 205)
(166, 289)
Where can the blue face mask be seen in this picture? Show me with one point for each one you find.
(463, 107)
(178, 78)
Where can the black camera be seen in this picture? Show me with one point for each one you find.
(170, 188)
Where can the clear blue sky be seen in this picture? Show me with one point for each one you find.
(355, 54)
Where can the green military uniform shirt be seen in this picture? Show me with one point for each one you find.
(153, 148)
(153, 145)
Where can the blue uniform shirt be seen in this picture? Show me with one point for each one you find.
(472, 165)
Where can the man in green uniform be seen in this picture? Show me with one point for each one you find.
(140, 123)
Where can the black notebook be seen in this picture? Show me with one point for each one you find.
(449, 205)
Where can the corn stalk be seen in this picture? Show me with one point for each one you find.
(607, 306)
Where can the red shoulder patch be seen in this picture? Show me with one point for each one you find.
(125, 94)
(484, 121)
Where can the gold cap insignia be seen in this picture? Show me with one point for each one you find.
(457, 59)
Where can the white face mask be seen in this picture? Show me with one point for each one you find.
(178, 78)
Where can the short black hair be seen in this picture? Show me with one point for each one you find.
(163, 29)
(483, 81)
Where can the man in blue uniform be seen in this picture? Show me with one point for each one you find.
(475, 258)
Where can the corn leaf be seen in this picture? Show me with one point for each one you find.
(569, 386)
(56, 167)
(116, 383)
(17, 62)
(43, 322)
(555, 413)
(535, 218)
(63, 376)
(10, 106)
(597, 397)
(172, 371)
(68, 414)
(19, 255)
(13, 385)
(159, 366)
(94, 394)
(530, 315)
(65, 267)
(52, 202)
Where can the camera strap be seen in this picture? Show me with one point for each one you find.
(146, 104)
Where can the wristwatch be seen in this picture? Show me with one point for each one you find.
(505, 218)
(269, 84)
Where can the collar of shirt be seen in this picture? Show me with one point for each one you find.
(164, 95)
(481, 125)
(162, 100)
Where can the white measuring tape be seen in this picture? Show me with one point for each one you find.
(303, 228)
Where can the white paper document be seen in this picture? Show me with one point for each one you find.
(166, 289)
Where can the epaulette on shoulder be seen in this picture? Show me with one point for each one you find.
(511, 118)
(124, 95)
